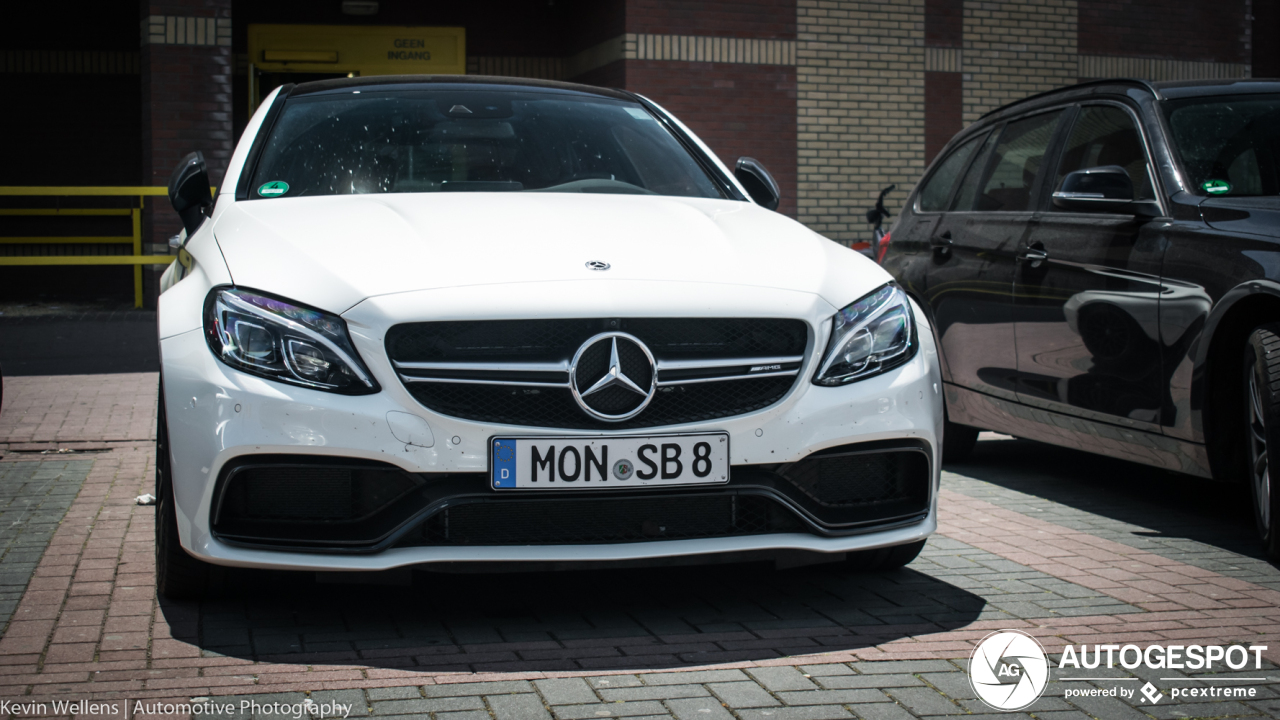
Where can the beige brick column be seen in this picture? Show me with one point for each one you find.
(1016, 48)
(860, 84)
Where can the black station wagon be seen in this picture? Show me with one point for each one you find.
(1101, 265)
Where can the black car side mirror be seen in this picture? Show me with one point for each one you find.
(1102, 189)
(189, 191)
(759, 184)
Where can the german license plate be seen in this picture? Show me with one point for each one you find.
(582, 463)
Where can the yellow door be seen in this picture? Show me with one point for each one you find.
(280, 54)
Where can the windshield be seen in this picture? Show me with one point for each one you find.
(413, 141)
(1229, 145)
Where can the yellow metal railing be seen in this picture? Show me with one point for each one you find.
(137, 259)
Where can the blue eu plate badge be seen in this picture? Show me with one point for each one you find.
(504, 463)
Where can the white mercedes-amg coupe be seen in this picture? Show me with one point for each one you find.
(461, 320)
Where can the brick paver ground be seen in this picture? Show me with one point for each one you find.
(77, 409)
(1175, 516)
(34, 496)
(1069, 548)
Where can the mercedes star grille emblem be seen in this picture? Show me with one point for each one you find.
(598, 265)
(613, 376)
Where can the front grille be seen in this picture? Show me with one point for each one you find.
(517, 372)
(555, 340)
(554, 407)
(488, 341)
(556, 521)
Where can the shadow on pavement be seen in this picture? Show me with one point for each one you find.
(572, 620)
(82, 344)
(1171, 504)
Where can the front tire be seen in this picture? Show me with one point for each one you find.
(179, 576)
(957, 441)
(1262, 415)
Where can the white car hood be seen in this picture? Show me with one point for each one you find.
(332, 252)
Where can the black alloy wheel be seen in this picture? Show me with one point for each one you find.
(1262, 415)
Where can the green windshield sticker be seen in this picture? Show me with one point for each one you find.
(276, 187)
(1216, 187)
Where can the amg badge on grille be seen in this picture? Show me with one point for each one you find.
(606, 390)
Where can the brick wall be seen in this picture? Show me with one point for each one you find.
(944, 23)
(943, 83)
(1266, 51)
(1016, 48)
(736, 109)
(186, 106)
(1216, 31)
(860, 81)
(720, 18)
(494, 27)
(943, 112)
(613, 75)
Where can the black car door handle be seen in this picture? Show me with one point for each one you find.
(941, 245)
(1033, 256)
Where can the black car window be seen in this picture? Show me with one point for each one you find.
(415, 141)
(937, 190)
(1106, 135)
(973, 177)
(1228, 145)
(1018, 157)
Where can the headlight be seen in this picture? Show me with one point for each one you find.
(869, 337)
(281, 341)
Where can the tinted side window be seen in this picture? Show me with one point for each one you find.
(936, 192)
(973, 178)
(1106, 135)
(1017, 161)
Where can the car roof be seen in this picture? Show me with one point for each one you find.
(455, 82)
(1205, 88)
(1119, 86)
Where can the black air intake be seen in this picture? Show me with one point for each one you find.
(583, 521)
(876, 484)
(313, 500)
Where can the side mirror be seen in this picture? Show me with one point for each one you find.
(759, 183)
(1100, 189)
(189, 191)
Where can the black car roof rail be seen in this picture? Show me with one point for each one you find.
(1112, 81)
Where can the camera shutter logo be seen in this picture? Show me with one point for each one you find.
(1008, 670)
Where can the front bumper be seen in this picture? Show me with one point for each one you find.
(218, 417)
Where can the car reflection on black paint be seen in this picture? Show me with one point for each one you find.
(1101, 265)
